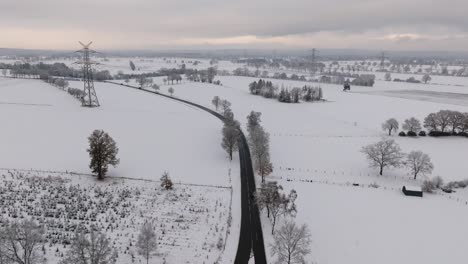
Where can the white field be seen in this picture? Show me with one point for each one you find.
(322, 142)
(46, 129)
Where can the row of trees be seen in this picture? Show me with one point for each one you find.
(425, 78)
(259, 142)
(444, 122)
(387, 153)
(24, 243)
(268, 90)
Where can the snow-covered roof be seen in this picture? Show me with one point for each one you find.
(413, 188)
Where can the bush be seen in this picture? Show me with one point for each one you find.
(428, 186)
(439, 134)
(402, 134)
(463, 134)
(438, 181)
(422, 133)
(411, 134)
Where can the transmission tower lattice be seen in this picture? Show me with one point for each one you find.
(313, 61)
(382, 61)
(89, 98)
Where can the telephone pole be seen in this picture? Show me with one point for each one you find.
(90, 98)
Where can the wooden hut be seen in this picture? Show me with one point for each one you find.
(412, 191)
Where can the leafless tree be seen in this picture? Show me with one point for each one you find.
(253, 121)
(147, 242)
(388, 76)
(385, 153)
(171, 91)
(292, 243)
(216, 101)
(419, 162)
(230, 137)
(155, 87)
(431, 122)
(21, 243)
(282, 205)
(225, 105)
(426, 78)
(390, 125)
(443, 119)
(456, 120)
(94, 248)
(4, 72)
(259, 142)
(412, 124)
(144, 82)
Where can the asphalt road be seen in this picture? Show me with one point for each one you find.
(251, 235)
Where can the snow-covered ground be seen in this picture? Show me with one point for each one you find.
(46, 129)
(321, 142)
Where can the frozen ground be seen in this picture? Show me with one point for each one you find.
(189, 220)
(46, 129)
(321, 142)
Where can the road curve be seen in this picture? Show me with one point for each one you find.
(251, 235)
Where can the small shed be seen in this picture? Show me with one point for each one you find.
(412, 191)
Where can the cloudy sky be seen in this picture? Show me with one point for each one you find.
(152, 24)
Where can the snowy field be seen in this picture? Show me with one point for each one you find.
(46, 129)
(321, 142)
(189, 221)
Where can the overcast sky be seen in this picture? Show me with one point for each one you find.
(152, 24)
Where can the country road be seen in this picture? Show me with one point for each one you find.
(251, 235)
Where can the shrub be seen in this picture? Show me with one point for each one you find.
(438, 181)
(411, 134)
(374, 185)
(428, 186)
(463, 134)
(439, 134)
(402, 134)
(422, 133)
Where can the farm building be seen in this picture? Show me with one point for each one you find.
(412, 191)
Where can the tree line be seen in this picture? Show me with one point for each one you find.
(286, 95)
(441, 123)
(23, 242)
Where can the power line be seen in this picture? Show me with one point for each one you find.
(90, 98)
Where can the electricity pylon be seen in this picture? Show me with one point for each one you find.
(90, 98)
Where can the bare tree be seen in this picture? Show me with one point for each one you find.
(385, 153)
(456, 120)
(166, 181)
(21, 243)
(94, 248)
(390, 125)
(103, 152)
(144, 82)
(388, 76)
(155, 87)
(147, 242)
(292, 243)
(4, 72)
(171, 91)
(253, 121)
(419, 162)
(225, 105)
(431, 122)
(216, 101)
(426, 78)
(443, 119)
(282, 205)
(230, 137)
(412, 124)
(259, 141)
